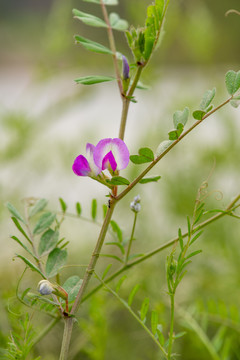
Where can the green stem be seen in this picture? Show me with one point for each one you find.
(158, 158)
(89, 271)
(131, 238)
(126, 103)
(171, 327)
(164, 246)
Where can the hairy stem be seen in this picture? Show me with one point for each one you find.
(158, 158)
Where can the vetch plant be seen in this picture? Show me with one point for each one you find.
(46, 251)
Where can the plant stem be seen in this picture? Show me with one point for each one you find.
(171, 327)
(126, 102)
(158, 158)
(112, 46)
(131, 238)
(68, 325)
(165, 246)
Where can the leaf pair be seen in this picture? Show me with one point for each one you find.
(180, 119)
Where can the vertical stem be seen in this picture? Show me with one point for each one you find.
(171, 327)
(131, 238)
(67, 333)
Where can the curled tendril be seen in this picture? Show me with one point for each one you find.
(232, 11)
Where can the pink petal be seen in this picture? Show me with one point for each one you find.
(81, 166)
(109, 162)
(119, 151)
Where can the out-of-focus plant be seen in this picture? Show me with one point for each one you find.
(46, 251)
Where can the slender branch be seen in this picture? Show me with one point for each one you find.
(158, 158)
(164, 246)
(112, 46)
(171, 327)
(131, 238)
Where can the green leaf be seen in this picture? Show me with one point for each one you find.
(63, 205)
(118, 180)
(106, 271)
(72, 286)
(163, 146)
(180, 238)
(117, 230)
(21, 229)
(144, 309)
(92, 45)
(179, 335)
(180, 117)
(193, 254)
(199, 114)
(113, 257)
(56, 259)
(116, 244)
(105, 209)
(106, 2)
(196, 237)
(44, 222)
(174, 134)
(15, 212)
(89, 19)
(24, 247)
(145, 155)
(132, 294)
(232, 81)
(207, 99)
(119, 283)
(31, 265)
(154, 321)
(148, 179)
(160, 334)
(78, 208)
(160, 7)
(117, 23)
(37, 207)
(93, 79)
(94, 209)
(48, 241)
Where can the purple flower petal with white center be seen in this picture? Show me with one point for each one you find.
(118, 150)
(85, 166)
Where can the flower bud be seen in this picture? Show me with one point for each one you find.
(135, 205)
(45, 287)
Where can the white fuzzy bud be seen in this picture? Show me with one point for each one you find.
(45, 287)
(135, 204)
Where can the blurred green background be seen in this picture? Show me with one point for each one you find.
(46, 120)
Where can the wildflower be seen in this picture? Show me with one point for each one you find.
(135, 205)
(45, 287)
(85, 166)
(125, 69)
(111, 154)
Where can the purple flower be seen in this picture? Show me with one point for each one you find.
(111, 154)
(85, 166)
(125, 70)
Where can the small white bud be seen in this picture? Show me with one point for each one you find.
(45, 287)
(135, 204)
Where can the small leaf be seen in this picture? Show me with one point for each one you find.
(93, 79)
(199, 114)
(89, 19)
(144, 308)
(160, 334)
(92, 45)
(15, 212)
(180, 238)
(207, 99)
(31, 265)
(78, 208)
(48, 241)
(119, 283)
(16, 222)
(117, 230)
(154, 321)
(173, 135)
(193, 254)
(44, 222)
(232, 81)
(148, 179)
(113, 257)
(38, 206)
(72, 286)
(24, 247)
(145, 155)
(117, 23)
(106, 271)
(63, 205)
(105, 209)
(116, 244)
(118, 180)
(94, 209)
(56, 259)
(163, 146)
(179, 335)
(180, 117)
(196, 237)
(132, 294)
